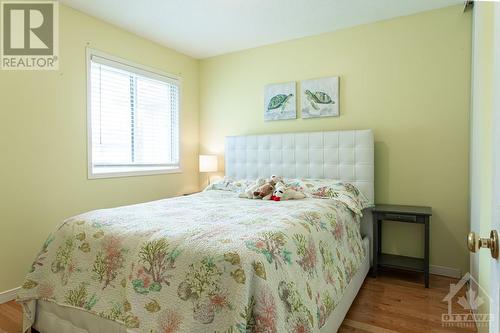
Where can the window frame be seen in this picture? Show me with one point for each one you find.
(149, 72)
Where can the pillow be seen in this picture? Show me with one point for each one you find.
(332, 189)
(229, 184)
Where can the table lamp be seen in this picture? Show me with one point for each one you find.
(208, 163)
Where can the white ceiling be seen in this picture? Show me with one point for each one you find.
(205, 28)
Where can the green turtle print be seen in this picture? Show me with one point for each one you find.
(318, 97)
(279, 101)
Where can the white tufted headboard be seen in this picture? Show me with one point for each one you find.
(340, 155)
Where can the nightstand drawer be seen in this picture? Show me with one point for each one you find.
(399, 217)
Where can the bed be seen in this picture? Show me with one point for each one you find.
(213, 262)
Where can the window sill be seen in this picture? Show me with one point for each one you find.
(114, 172)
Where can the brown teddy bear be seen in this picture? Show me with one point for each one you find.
(265, 191)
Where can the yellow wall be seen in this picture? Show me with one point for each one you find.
(43, 147)
(407, 78)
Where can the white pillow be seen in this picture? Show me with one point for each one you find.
(229, 184)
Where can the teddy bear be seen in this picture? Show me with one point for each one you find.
(249, 191)
(281, 192)
(265, 191)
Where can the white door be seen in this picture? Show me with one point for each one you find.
(485, 141)
(495, 223)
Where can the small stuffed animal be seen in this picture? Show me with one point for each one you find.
(265, 191)
(279, 192)
(276, 179)
(249, 191)
(282, 192)
(291, 194)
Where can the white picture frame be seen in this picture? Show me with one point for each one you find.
(320, 97)
(280, 101)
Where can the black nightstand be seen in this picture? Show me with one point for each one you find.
(407, 214)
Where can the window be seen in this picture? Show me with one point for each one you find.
(134, 119)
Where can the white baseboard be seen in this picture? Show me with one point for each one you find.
(445, 271)
(9, 295)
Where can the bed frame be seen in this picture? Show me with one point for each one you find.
(340, 155)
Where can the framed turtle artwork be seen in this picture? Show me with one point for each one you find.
(280, 101)
(320, 97)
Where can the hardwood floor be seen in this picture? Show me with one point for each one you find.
(395, 301)
(10, 317)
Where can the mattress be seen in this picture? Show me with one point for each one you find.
(207, 262)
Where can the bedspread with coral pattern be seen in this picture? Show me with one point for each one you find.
(208, 262)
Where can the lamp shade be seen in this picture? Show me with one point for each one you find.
(208, 163)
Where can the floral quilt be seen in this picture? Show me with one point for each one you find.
(209, 262)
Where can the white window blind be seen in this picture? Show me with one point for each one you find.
(134, 119)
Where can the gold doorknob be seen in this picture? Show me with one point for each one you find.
(475, 243)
